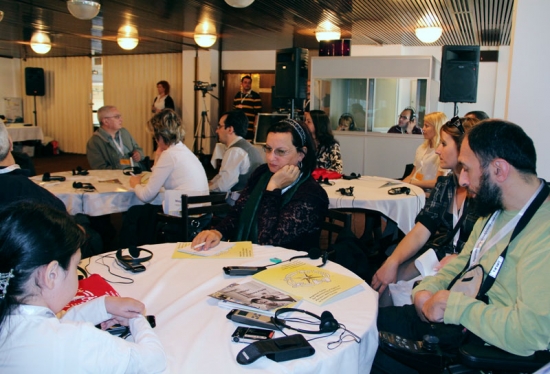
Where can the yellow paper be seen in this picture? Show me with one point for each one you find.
(238, 250)
(314, 284)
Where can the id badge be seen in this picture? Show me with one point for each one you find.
(125, 162)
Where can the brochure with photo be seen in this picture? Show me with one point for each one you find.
(255, 295)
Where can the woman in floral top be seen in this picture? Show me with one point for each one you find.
(328, 148)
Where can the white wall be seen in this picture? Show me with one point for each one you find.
(248, 60)
(527, 101)
(10, 78)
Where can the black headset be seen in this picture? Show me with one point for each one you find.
(399, 190)
(413, 114)
(80, 171)
(314, 254)
(351, 124)
(134, 258)
(327, 322)
(85, 186)
(346, 191)
(47, 177)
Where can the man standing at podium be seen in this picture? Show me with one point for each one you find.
(249, 102)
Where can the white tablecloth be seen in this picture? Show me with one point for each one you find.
(368, 194)
(108, 197)
(19, 133)
(196, 334)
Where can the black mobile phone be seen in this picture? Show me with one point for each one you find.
(243, 270)
(251, 335)
(137, 268)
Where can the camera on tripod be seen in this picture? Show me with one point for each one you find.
(204, 86)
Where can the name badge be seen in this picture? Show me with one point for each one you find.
(125, 161)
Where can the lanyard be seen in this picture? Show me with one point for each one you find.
(245, 96)
(119, 145)
(478, 252)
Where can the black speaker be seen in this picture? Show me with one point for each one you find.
(34, 82)
(459, 71)
(291, 73)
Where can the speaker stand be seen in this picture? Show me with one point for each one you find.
(455, 110)
(34, 111)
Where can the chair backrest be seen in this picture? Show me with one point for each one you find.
(213, 205)
(408, 170)
(335, 221)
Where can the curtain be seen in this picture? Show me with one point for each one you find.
(64, 113)
(130, 84)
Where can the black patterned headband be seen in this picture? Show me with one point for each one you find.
(298, 129)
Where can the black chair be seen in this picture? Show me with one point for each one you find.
(408, 169)
(193, 218)
(495, 360)
(335, 221)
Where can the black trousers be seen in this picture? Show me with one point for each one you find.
(404, 321)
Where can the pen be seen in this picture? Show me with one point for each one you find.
(199, 245)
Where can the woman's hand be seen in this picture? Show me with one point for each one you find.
(385, 275)
(210, 238)
(122, 309)
(284, 177)
(135, 180)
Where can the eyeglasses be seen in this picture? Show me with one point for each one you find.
(278, 152)
(118, 116)
(403, 117)
(456, 122)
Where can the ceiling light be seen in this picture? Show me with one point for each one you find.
(239, 3)
(1, 15)
(428, 34)
(127, 37)
(82, 9)
(327, 31)
(40, 42)
(205, 34)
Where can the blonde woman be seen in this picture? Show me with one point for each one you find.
(426, 163)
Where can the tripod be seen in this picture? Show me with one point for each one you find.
(201, 130)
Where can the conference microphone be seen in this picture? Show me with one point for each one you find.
(48, 178)
(313, 253)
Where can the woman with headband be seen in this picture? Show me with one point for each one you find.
(282, 204)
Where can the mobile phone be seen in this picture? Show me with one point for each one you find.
(251, 335)
(243, 270)
(138, 268)
(250, 318)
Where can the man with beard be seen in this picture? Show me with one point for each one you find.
(512, 245)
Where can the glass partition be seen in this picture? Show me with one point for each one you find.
(370, 104)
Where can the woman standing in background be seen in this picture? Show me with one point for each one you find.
(163, 100)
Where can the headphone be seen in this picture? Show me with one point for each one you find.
(399, 190)
(134, 258)
(314, 254)
(85, 186)
(351, 176)
(350, 116)
(131, 170)
(47, 177)
(327, 322)
(80, 171)
(413, 114)
(346, 191)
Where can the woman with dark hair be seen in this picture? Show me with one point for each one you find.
(39, 254)
(163, 100)
(281, 204)
(328, 148)
(444, 223)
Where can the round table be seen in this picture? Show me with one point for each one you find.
(196, 334)
(112, 194)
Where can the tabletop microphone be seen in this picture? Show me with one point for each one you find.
(48, 178)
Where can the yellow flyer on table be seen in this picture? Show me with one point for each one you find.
(310, 282)
(222, 250)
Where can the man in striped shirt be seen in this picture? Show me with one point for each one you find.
(249, 102)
